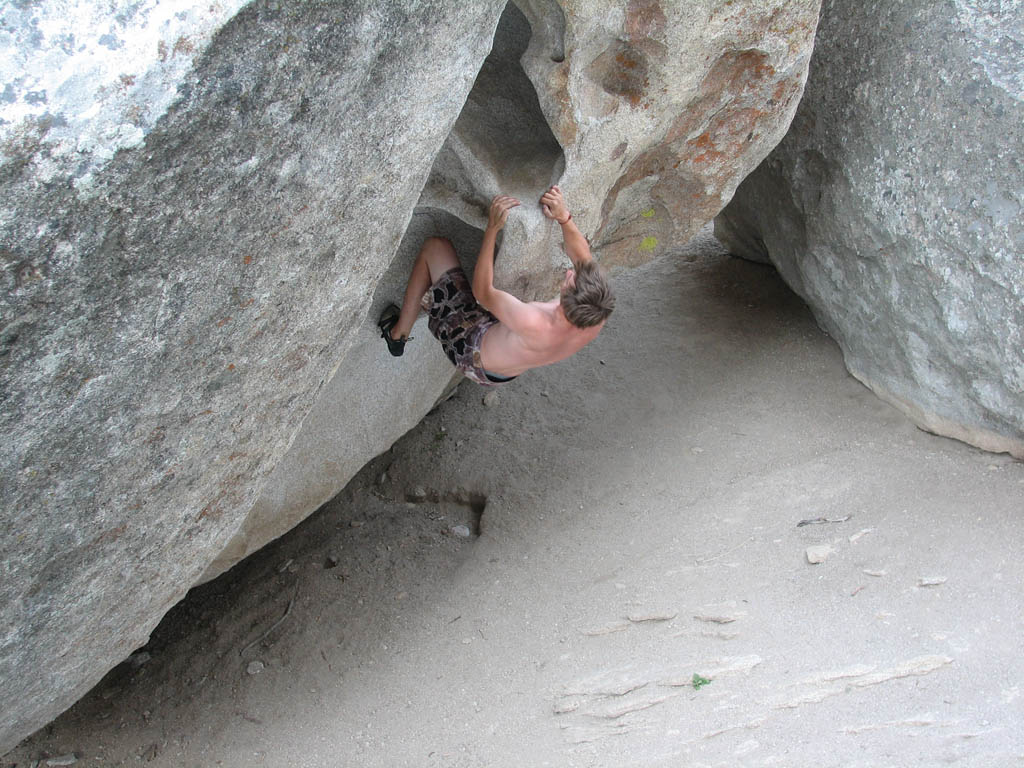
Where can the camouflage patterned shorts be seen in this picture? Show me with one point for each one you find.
(459, 323)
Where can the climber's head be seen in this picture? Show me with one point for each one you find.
(587, 298)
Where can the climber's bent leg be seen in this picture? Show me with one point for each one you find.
(435, 258)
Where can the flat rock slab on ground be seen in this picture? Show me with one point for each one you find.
(610, 562)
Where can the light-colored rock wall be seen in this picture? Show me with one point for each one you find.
(197, 238)
(893, 207)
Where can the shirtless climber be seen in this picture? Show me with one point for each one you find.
(489, 335)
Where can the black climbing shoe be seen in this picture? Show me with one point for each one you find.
(387, 321)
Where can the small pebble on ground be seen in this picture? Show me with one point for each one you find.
(818, 554)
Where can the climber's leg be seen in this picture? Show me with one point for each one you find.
(435, 258)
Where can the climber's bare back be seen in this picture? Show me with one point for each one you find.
(487, 333)
(544, 337)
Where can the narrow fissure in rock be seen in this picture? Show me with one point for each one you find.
(501, 141)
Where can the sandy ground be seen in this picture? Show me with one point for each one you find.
(537, 581)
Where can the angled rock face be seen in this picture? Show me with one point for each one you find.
(174, 301)
(893, 206)
(205, 207)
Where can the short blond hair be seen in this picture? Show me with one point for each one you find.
(591, 300)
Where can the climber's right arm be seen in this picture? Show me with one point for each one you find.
(576, 245)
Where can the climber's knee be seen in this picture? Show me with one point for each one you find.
(439, 254)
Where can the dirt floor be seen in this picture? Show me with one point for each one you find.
(606, 566)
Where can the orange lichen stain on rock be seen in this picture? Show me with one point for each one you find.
(737, 72)
(710, 153)
(645, 19)
(703, 141)
(708, 157)
(223, 321)
(626, 61)
(726, 136)
(231, 366)
(622, 71)
(758, 65)
(734, 125)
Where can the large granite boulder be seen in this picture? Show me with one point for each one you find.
(206, 205)
(191, 231)
(893, 206)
